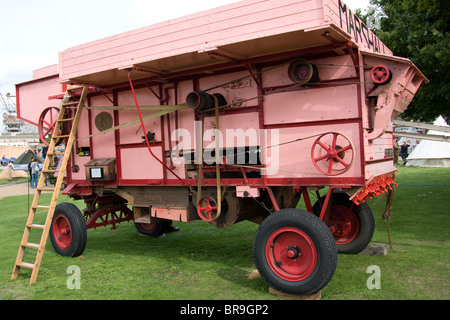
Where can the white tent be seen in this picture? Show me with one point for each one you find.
(14, 173)
(431, 153)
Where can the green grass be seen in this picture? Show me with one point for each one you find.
(204, 263)
(14, 181)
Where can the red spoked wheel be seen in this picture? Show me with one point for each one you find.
(47, 123)
(206, 208)
(333, 153)
(291, 254)
(380, 74)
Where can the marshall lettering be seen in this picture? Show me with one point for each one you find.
(357, 29)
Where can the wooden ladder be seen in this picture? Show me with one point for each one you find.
(68, 102)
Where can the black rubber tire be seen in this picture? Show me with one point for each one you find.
(365, 218)
(70, 215)
(152, 229)
(325, 249)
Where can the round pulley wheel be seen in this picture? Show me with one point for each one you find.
(302, 72)
(207, 208)
(47, 123)
(380, 74)
(333, 153)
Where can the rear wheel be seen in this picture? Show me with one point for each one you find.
(295, 252)
(352, 225)
(152, 229)
(68, 231)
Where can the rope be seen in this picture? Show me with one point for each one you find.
(388, 212)
(145, 132)
(281, 90)
(200, 167)
(281, 65)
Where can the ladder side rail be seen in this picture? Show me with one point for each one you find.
(58, 184)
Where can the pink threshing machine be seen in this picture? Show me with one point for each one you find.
(228, 115)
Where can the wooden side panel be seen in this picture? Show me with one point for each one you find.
(241, 21)
(32, 98)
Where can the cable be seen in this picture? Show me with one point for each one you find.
(145, 132)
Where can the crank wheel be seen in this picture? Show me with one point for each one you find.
(333, 153)
(68, 231)
(380, 74)
(47, 123)
(352, 225)
(207, 208)
(295, 252)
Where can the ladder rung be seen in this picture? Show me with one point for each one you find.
(47, 189)
(49, 170)
(36, 226)
(31, 245)
(71, 103)
(63, 136)
(54, 153)
(25, 265)
(42, 207)
(67, 119)
(75, 88)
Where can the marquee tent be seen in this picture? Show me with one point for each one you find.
(431, 153)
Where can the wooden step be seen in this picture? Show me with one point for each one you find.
(36, 226)
(31, 245)
(71, 103)
(63, 136)
(42, 207)
(26, 265)
(66, 119)
(74, 88)
(46, 189)
(55, 153)
(49, 170)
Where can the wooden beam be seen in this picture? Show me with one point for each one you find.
(420, 125)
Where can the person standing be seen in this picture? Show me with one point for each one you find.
(404, 151)
(396, 151)
(34, 173)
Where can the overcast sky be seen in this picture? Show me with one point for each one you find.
(32, 33)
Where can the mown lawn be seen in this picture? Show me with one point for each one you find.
(204, 263)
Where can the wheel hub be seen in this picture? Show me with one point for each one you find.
(293, 253)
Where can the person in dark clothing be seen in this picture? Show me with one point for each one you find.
(404, 151)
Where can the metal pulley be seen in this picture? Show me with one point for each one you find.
(381, 74)
(302, 71)
(201, 101)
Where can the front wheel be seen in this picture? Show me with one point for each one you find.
(295, 252)
(68, 231)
